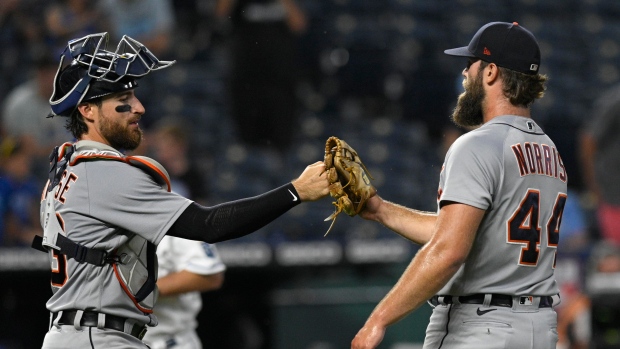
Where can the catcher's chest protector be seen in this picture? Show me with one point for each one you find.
(134, 263)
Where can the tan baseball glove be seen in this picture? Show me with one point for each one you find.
(348, 177)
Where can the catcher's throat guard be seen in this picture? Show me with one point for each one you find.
(135, 262)
(348, 177)
(101, 71)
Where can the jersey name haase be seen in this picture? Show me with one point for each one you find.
(65, 183)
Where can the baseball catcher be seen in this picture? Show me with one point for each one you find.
(348, 177)
(103, 213)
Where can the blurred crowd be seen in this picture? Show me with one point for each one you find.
(280, 84)
(34, 33)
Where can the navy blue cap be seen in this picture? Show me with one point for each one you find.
(508, 45)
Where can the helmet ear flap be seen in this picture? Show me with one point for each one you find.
(71, 84)
(72, 80)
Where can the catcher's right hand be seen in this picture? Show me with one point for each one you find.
(348, 178)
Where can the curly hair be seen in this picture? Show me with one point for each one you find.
(521, 89)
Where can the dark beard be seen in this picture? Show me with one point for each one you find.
(468, 110)
(121, 138)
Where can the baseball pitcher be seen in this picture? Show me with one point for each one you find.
(488, 260)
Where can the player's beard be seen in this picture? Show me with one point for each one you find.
(468, 110)
(120, 135)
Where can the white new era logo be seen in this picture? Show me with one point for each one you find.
(533, 67)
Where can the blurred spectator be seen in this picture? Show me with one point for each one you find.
(603, 289)
(186, 268)
(9, 34)
(68, 19)
(25, 110)
(605, 259)
(7, 8)
(28, 19)
(263, 77)
(574, 310)
(575, 236)
(20, 195)
(600, 162)
(194, 27)
(170, 144)
(151, 22)
(449, 135)
(21, 29)
(574, 327)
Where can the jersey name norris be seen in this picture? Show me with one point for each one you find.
(539, 159)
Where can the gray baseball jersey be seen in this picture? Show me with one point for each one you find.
(177, 314)
(102, 205)
(511, 169)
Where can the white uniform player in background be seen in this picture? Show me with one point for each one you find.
(488, 261)
(186, 268)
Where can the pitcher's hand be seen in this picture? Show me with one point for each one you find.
(369, 337)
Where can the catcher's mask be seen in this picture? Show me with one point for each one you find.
(92, 71)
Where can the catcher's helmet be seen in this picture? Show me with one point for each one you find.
(94, 72)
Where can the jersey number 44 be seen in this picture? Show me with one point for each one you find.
(524, 226)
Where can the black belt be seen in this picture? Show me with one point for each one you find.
(91, 318)
(497, 300)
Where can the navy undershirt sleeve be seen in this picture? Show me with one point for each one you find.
(234, 219)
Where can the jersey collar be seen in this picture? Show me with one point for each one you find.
(522, 123)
